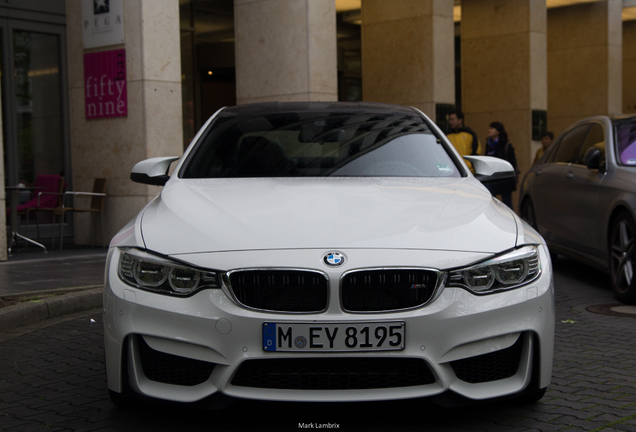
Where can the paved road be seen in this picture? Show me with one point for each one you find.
(34, 271)
(52, 378)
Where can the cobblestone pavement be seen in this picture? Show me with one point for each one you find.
(52, 378)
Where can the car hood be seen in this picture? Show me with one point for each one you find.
(215, 215)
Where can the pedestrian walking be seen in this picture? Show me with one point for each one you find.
(546, 141)
(463, 138)
(497, 145)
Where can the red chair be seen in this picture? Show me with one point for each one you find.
(47, 196)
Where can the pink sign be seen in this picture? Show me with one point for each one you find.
(105, 84)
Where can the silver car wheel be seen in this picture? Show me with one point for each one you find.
(622, 258)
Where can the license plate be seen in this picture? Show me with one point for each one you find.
(380, 336)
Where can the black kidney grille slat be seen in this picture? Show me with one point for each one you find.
(281, 290)
(384, 290)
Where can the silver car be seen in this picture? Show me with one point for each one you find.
(581, 197)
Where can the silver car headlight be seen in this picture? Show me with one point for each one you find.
(507, 271)
(154, 273)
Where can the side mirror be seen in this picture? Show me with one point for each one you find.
(593, 158)
(490, 169)
(152, 171)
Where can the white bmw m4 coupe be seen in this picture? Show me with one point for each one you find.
(324, 251)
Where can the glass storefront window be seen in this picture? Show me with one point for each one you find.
(187, 86)
(207, 60)
(37, 87)
(187, 71)
(185, 13)
(349, 55)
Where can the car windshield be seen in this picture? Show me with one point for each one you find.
(318, 142)
(626, 140)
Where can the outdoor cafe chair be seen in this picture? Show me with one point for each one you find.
(46, 195)
(96, 206)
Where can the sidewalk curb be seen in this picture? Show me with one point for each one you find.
(22, 314)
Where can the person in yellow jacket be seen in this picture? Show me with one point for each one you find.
(546, 140)
(463, 138)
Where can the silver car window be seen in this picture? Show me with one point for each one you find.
(569, 145)
(594, 138)
(626, 140)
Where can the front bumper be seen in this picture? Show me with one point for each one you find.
(456, 337)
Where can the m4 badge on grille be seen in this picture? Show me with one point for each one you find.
(334, 259)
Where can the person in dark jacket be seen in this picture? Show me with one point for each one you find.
(497, 145)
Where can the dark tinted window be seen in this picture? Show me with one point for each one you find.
(569, 145)
(594, 138)
(626, 140)
(319, 143)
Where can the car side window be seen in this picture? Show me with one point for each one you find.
(626, 140)
(594, 138)
(569, 145)
(551, 151)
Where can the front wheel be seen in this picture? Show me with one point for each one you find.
(621, 257)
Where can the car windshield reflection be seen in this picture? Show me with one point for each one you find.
(318, 144)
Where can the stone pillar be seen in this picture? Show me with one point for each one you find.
(584, 62)
(285, 50)
(408, 53)
(110, 147)
(629, 67)
(504, 74)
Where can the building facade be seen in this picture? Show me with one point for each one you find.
(93, 86)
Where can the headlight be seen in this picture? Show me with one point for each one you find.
(153, 273)
(504, 272)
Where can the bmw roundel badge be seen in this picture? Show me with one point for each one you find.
(334, 259)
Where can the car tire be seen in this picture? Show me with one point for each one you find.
(528, 214)
(621, 258)
(533, 396)
(121, 400)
